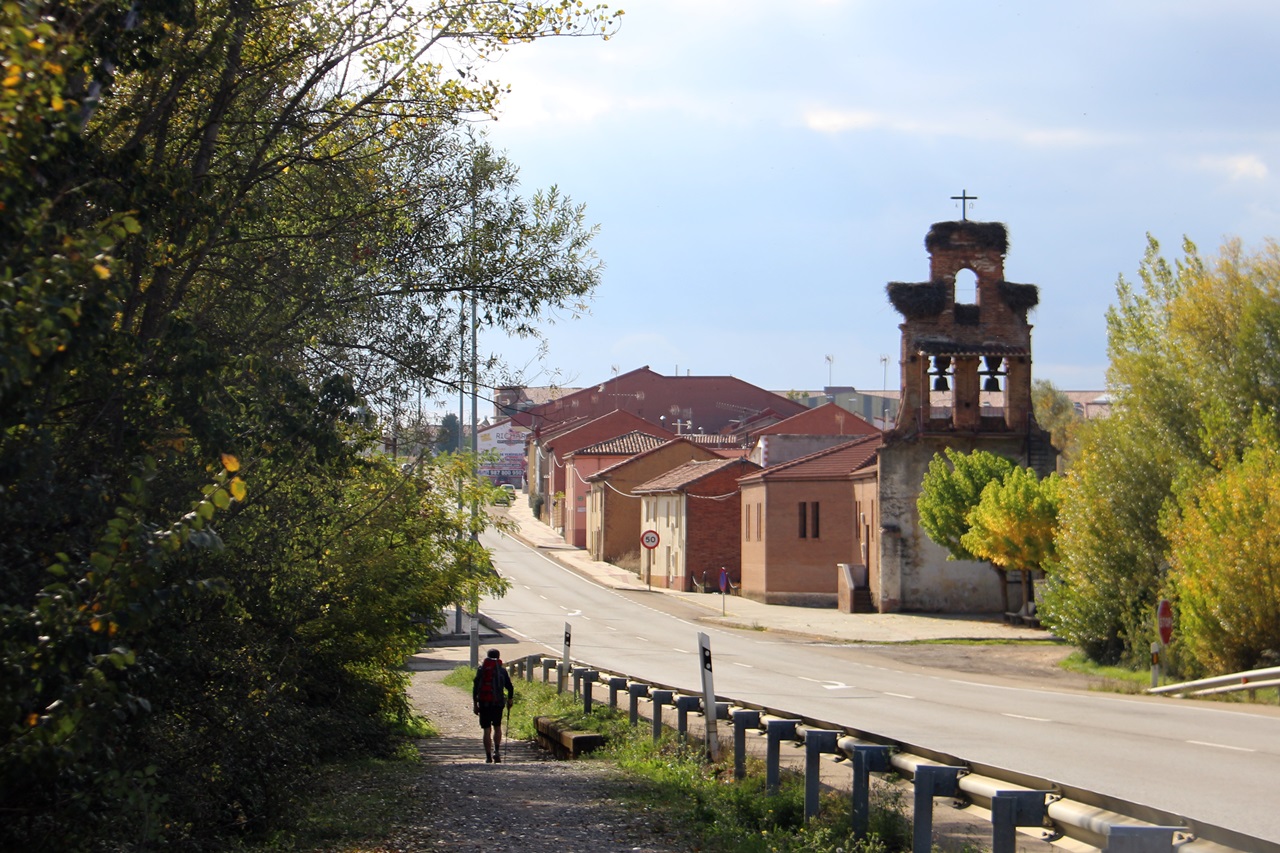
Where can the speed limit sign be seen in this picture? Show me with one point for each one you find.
(649, 539)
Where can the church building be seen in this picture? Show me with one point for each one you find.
(966, 383)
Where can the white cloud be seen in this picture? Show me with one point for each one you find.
(1237, 167)
(984, 128)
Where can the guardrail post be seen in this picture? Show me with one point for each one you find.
(636, 691)
(659, 698)
(931, 780)
(547, 663)
(776, 730)
(577, 679)
(616, 683)
(588, 678)
(530, 662)
(685, 704)
(1141, 839)
(867, 759)
(1010, 810)
(742, 720)
(816, 742)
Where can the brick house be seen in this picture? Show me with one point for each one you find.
(680, 404)
(672, 405)
(694, 509)
(798, 522)
(549, 453)
(812, 430)
(582, 463)
(613, 510)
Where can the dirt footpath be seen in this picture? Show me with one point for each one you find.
(527, 804)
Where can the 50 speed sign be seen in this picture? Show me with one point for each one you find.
(649, 539)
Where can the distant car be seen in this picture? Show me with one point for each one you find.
(503, 495)
(509, 489)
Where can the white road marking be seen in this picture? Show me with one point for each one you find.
(898, 695)
(682, 651)
(610, 627)
(644, 639)
(573, 612)
(543, 597)
(743, 665)
(814, 680)
(1024, 717)
(1221, 746)
(836, 685)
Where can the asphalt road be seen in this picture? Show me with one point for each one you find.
(1211, 763)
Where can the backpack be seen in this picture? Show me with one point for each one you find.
(490, 689)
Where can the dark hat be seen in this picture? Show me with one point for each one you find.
(493, 653)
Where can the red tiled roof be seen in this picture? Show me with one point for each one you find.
(827, 419)
(630, 444)
(604, 473)
(833, 462)
(687, 474)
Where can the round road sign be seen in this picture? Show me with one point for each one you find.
(1164, 620)
(649, 539)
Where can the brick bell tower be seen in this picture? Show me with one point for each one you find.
(966, 383)
(954, 350)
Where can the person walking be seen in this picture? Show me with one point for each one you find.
(491, 691)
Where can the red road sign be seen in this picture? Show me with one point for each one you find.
(1164, 620)
(649, 539)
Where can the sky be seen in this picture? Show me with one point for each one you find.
(760, 170)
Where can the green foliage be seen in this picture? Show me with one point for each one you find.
(1055, 413)
(1015, 521)
(1197, 382)
(952, 487)
(1225, 556)
(239, 231)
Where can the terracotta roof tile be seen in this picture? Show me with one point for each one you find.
(839, 461)
(630, 444)
(687, 474)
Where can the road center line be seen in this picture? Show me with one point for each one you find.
(1024, 717)
(743, 665)
(682, 651)
(898, 695)
(1221, 746)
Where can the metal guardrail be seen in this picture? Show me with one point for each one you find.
(1101, 821)
(1252, 679)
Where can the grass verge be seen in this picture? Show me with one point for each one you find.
(672, 785)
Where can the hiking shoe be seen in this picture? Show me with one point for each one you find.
(488, 759)
(497, 759)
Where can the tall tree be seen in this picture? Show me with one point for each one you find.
(230, 230)
(951, 489)
(1015, 525)
(1194, 371)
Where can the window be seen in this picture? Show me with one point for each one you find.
(746, 523)
(808, 517)
(759, 525)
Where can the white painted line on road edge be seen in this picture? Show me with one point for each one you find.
(1024, 717)
(1221, 746)
(518, 633)
(898, 695)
